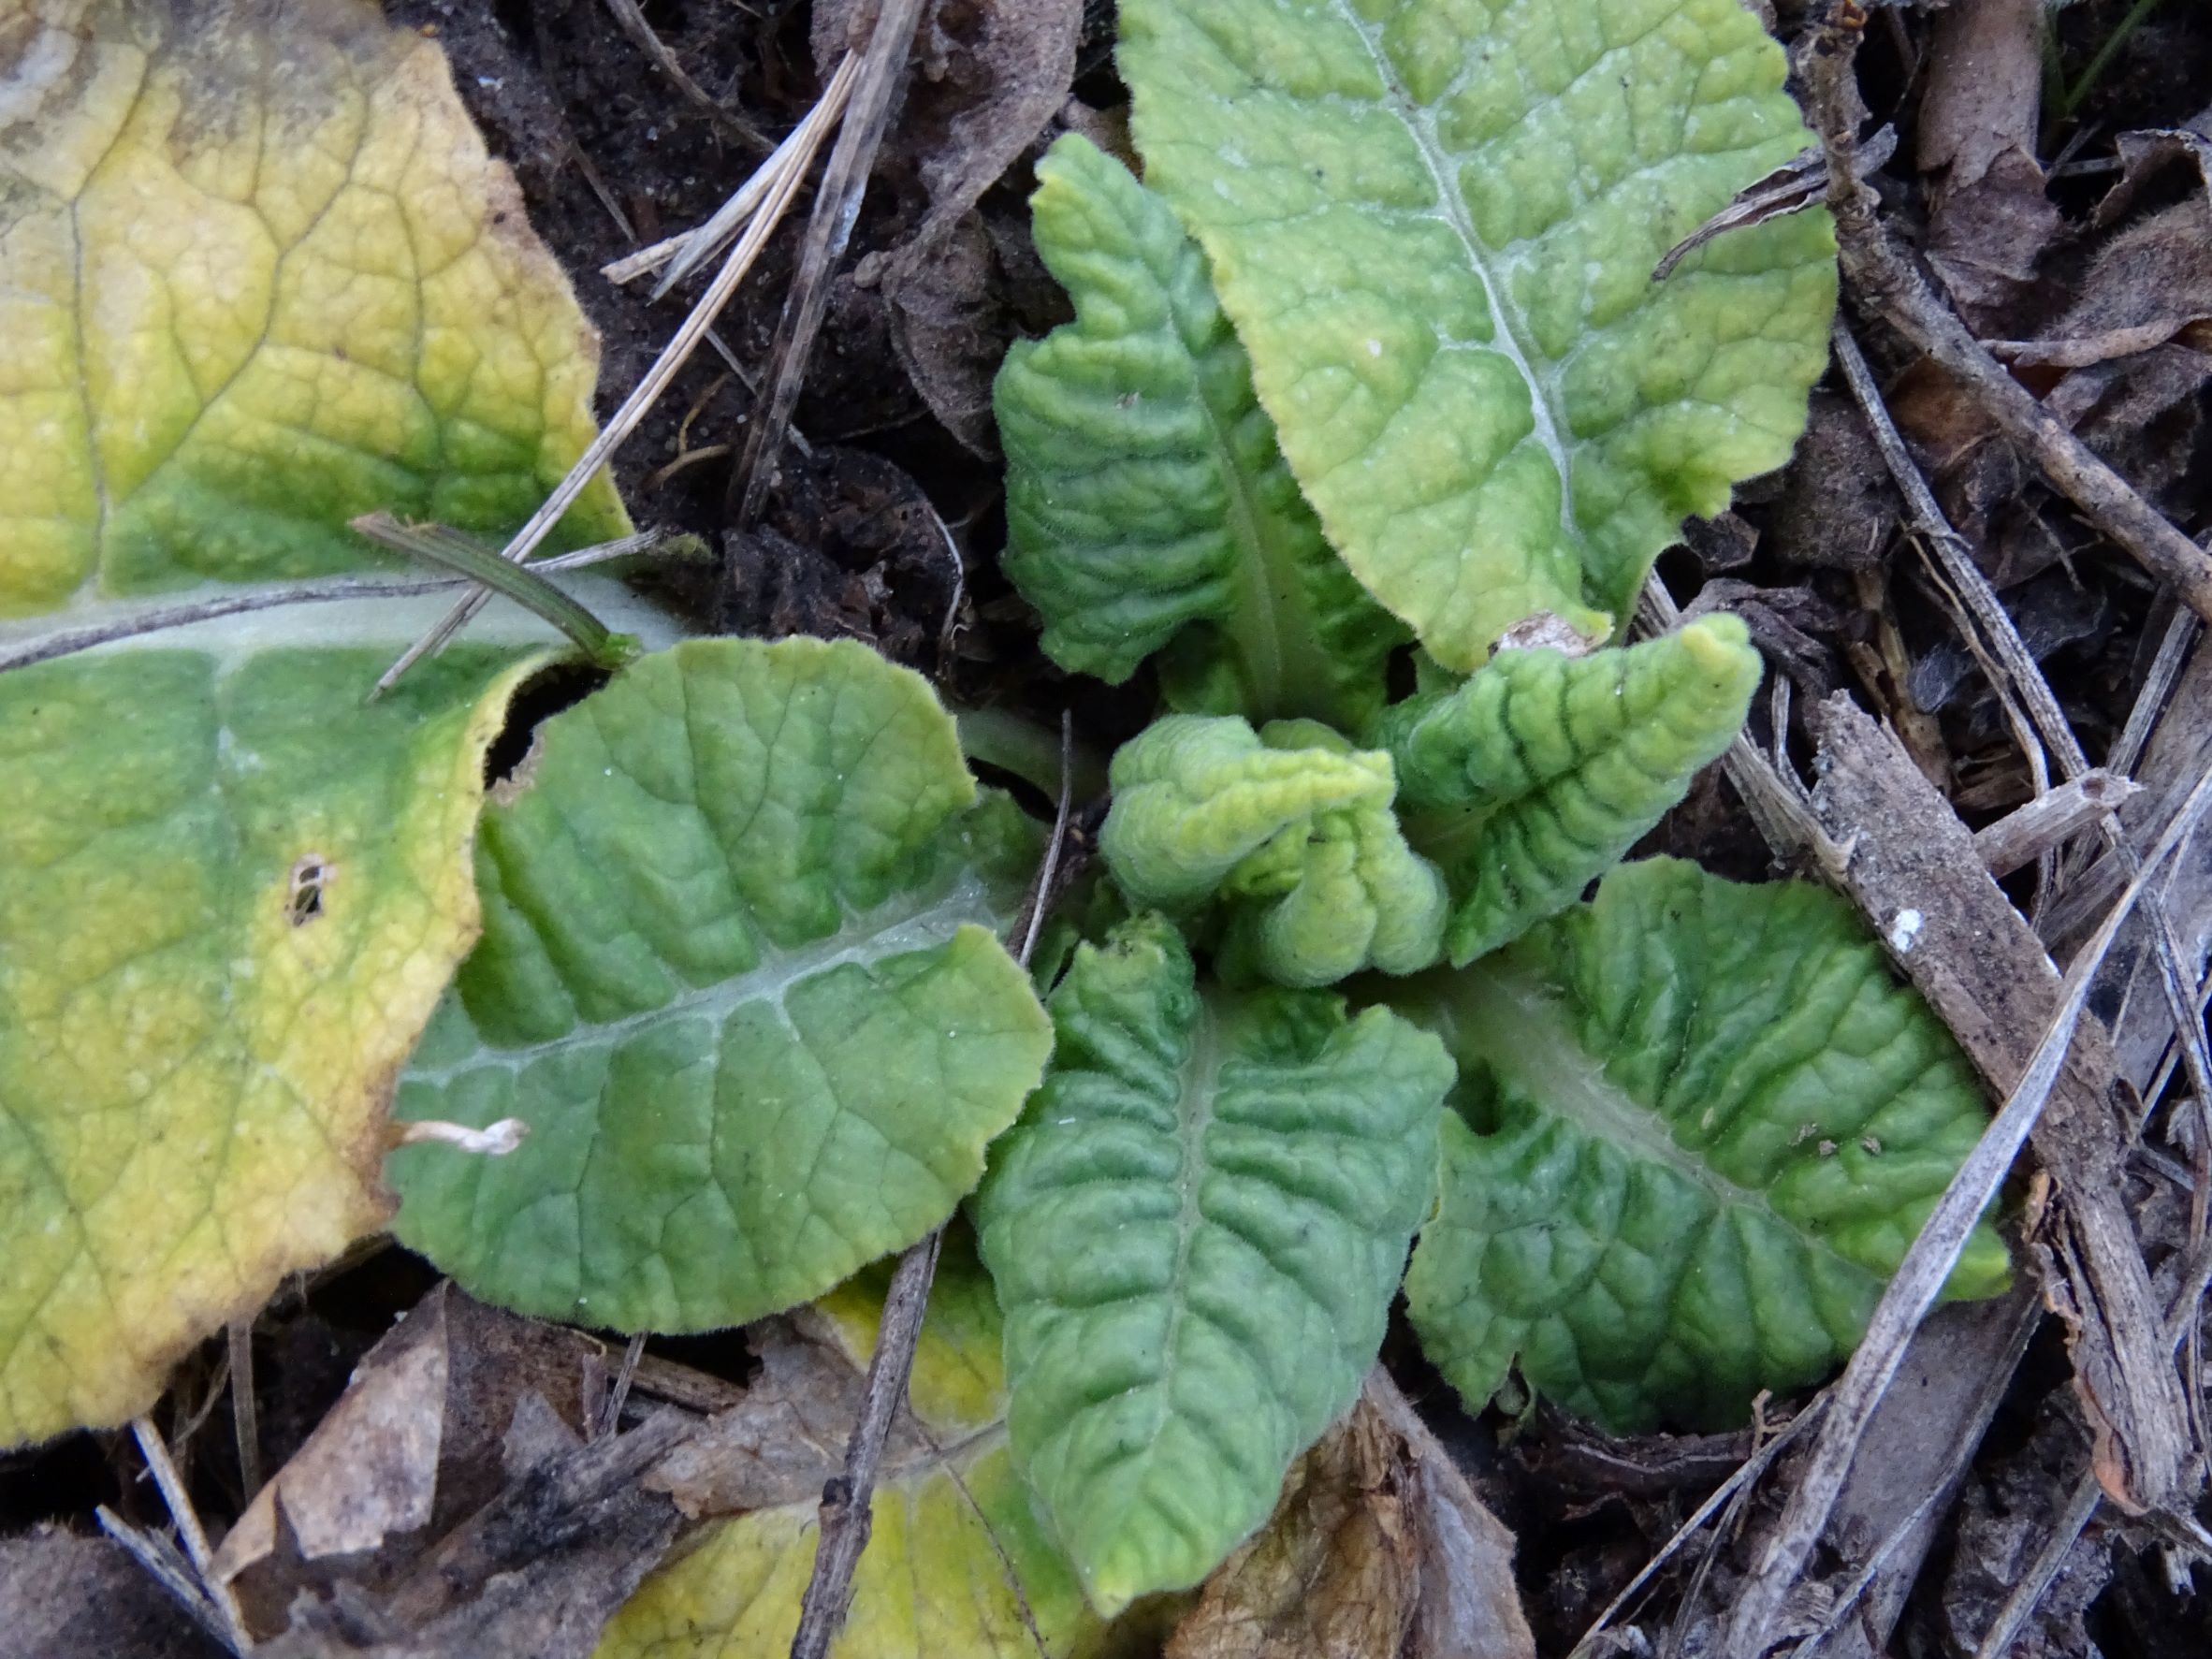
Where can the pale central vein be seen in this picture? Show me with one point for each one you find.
(1542, 1057)
(912, 922)
(1422, 123)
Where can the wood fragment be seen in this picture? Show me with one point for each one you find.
(2021, 837)
(1909, 851)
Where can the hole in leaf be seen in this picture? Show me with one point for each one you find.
(303, 892)
(540, 697)
(1475, 1099)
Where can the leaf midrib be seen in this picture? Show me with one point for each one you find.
(1271, 618)
(914, 921)
(1419, 121)
(1530, 1044)
(1200, 1077)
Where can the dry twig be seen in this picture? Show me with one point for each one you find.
(1882, 278)
(640, 32)
(836, 206)
(787, 168)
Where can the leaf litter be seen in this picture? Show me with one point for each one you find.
(2089, 298)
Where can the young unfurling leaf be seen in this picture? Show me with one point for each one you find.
(1531, 781)
(1291, 828)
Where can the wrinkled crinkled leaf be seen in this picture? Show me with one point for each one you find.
(737, 976)
(1531, 781)
(1147, 506)
(1434, 223)
(956, 1566)
(1698, 1126)
(1289, 826)
(1196, 1232)
(256, 274)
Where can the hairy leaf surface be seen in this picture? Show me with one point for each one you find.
(1531, 781)
(1434, 223)
(1195, 1232)
(1291, 828)
(256, 275)
(1147, 506)
(737, 975)
(1699, 1126)
(956, 1566)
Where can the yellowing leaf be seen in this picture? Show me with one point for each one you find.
(956, 1566)
(256, 275)
(230, 898)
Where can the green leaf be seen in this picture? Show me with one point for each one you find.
(1699, 1126)
(1147, 506)
(737, 975)
(257, 275)
(1196, 1232)
(1434, 223)
(956, 1565)
(1291, 827)
(1531, 781)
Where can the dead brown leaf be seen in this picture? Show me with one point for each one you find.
(449, 1504)
(1989, 222)
(989, 76)
(1377, 1550)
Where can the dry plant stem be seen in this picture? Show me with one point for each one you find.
(1963, 578)
(848, 1501)
(156, 1454)
(836, 206)
(2020, 838)
(2158, 685)
(158, 1559)
(1747, 1475)
(1881, 276)
(625, 420)
(2082, 1503)
(45, 647)
(686, 251)
(634, 25)
(244, 1421)
(1920, 1277)
(610, 1417)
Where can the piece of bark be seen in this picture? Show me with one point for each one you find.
(1917, 1451)
(1912, 869)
